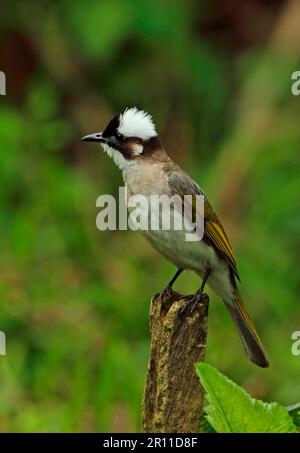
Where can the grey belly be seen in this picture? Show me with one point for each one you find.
(195, 255)
(173, 246)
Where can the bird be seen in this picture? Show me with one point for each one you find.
(131, 140)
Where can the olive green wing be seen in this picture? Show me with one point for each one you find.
(181, 183)
(217, 237)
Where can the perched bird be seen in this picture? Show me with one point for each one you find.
(131, 140)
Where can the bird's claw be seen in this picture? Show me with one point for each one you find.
(167, 292)
(192, 303)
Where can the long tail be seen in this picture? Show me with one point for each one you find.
(250, 339)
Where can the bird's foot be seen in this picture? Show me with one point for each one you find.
(167, 291)
(192, 303)
(167, 294)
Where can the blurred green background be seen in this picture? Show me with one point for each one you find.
(216, 76)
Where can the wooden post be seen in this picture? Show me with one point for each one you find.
(173, 397)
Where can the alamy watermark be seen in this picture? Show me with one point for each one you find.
(295, 88)
(296, 342)
(2, 84)
(153, 212)
(2, 343)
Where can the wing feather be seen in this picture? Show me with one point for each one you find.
(181, 183)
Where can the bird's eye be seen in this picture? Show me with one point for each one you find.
(119, 136)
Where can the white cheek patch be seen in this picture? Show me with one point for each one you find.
(137, 149)
(117, 157)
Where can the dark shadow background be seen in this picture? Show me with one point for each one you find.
(216, 76)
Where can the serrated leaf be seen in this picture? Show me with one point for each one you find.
(205, 426)
(294, 413)
(232, 410)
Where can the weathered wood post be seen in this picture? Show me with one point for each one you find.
(173, 397)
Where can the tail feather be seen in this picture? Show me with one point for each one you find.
(250, 339)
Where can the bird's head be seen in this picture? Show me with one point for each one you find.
(128, 137)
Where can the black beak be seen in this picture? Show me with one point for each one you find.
(94, 138)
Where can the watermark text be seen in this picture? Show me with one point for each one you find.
(152, 213)
(2, 84)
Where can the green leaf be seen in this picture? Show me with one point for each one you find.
(232, 410)
(205, 426)
(294, 413)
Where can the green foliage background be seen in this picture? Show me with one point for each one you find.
(74, 301)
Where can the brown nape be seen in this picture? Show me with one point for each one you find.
(152, 149)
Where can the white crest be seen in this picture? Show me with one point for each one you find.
(136, 123)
